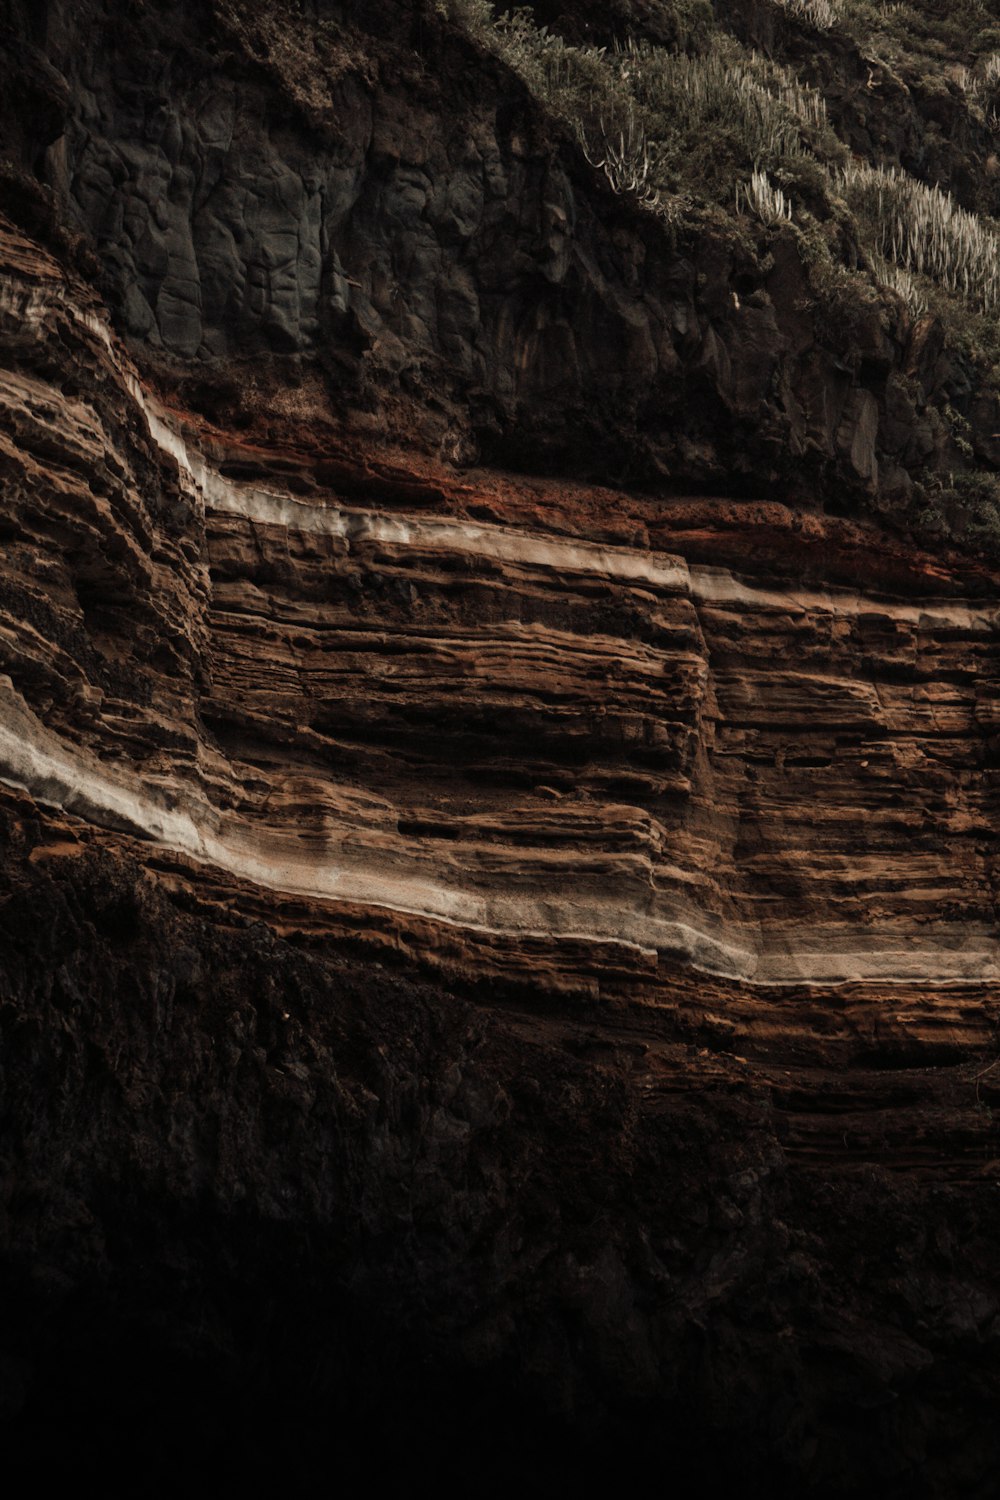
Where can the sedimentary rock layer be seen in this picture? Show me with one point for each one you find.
(532, 713)
(489, 964)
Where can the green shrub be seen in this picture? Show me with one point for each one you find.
(662, 125)
(961, 507)
(919, 227)
(901, 281)
(763, 199)
(819, 14)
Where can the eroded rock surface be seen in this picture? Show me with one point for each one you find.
(360, 187)
(486, 711)
(685, 807)
(479, 953)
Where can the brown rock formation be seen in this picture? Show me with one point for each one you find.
(472, 941)
(714, 829)
(483, 711)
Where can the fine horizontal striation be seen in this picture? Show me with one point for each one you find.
(490, 707)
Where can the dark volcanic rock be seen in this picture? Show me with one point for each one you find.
(368, 190)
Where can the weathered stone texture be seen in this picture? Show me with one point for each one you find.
(489, 962)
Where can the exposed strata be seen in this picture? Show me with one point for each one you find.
(511, 728)
(559, 922)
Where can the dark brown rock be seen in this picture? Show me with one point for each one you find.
(494, 969)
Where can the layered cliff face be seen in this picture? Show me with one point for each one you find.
(472, 940)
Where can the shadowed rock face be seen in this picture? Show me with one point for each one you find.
(469, 943)
(364, 190)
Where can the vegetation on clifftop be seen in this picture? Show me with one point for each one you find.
(712, 125)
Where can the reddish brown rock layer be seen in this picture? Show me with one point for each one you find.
(496, 973)
(685, 808)
(477, 726)
(519, 730)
